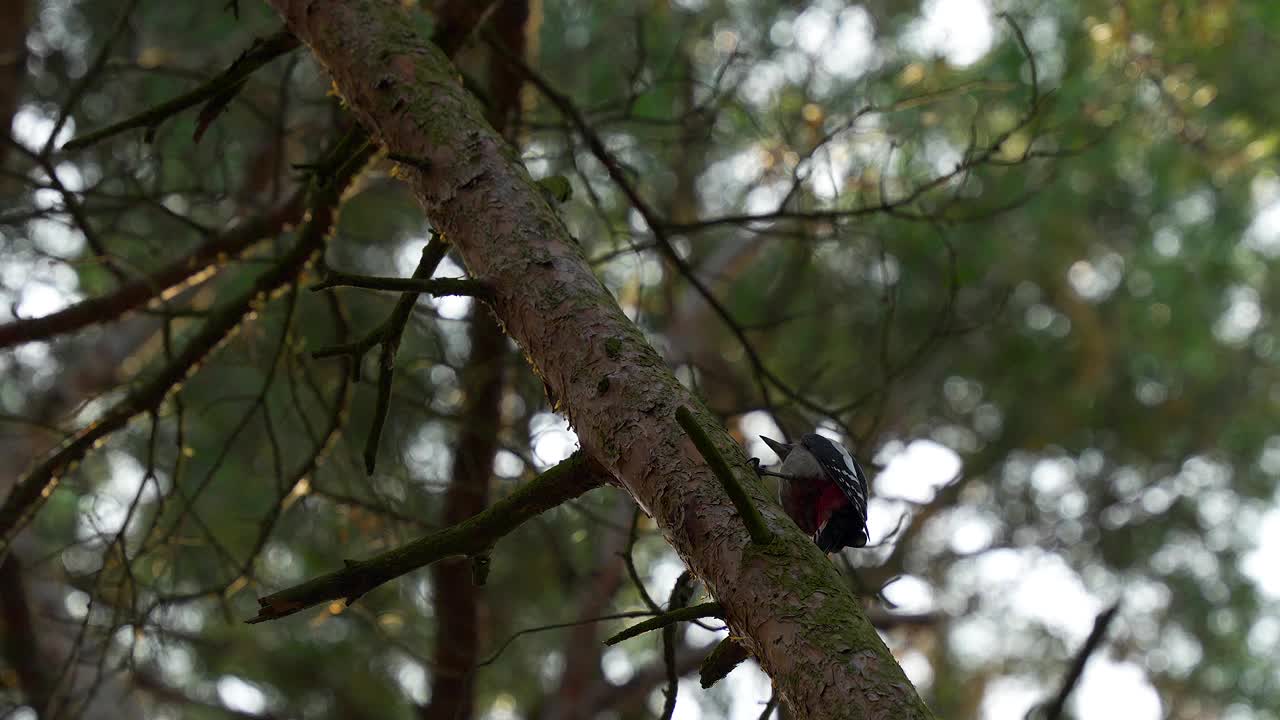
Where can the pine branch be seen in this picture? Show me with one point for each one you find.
(29, 493)
(387, 336)
(563, 482)
(221, 89)
(728, 654)
(188, 270)
(1054, 709)
(684, 614)
(415, 284)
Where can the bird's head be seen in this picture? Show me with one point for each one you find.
(782, 449)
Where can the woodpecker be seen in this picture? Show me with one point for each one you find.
(823, 489)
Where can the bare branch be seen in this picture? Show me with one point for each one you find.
(387, 336)
(684, 614)
(29, 494)
(1054, 709)
(728, 654)
(192, 268)
(430, 286)
(565, 481)
(681, 591)
(262, 52)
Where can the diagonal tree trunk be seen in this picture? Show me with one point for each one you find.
(808, 632)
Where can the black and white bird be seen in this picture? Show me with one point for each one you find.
(823, 489)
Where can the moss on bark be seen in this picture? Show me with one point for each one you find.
(785, 599)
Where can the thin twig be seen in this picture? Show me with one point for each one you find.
(1026, 52)
(555, 626)
(629, 561)
(727, 655)
(262, 52)
(656, 224)
(430, 286)
(30, 493)
(681, 591)
(685, 614)
(87, 80)
(770, 706)
(1053, 710)
(191, 269)
(388, 336)
(565, 481)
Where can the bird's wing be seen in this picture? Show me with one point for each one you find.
(842, 468)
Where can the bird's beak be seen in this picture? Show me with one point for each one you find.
(780, 448)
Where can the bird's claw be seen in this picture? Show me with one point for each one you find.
(755, 465)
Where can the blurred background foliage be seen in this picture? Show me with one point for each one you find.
(1019, 264)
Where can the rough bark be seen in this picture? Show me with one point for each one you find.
(786, 598)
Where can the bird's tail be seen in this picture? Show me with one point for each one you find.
(846, 528)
